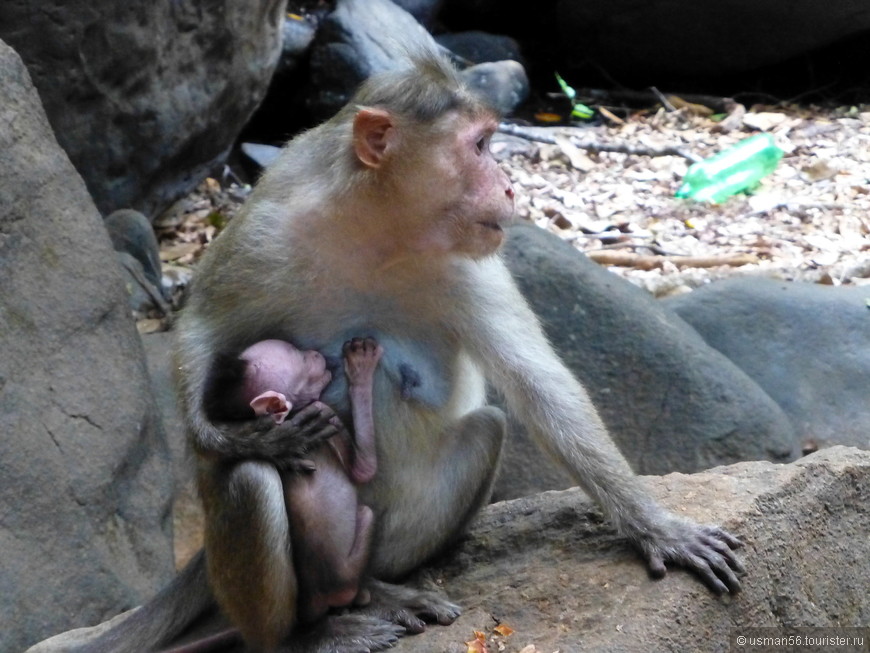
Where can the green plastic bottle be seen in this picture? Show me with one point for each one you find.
(732, 171)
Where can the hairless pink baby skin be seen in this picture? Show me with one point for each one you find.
(280, 378)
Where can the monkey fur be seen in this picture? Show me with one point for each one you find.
(386, 220)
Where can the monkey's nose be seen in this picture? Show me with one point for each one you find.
(509, 192)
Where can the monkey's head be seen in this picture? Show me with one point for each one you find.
(279, 366)
(421, 139)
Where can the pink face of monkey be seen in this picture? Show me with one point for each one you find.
(277, 366)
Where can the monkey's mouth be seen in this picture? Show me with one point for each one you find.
(490, 225)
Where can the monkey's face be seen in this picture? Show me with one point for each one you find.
(468, 199)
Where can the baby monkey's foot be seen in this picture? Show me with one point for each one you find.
(361, 356)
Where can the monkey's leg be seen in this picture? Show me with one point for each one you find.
(461, 481)
(470, 466)
(248, 554)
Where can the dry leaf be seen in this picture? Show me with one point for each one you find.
(504, 630)
(175, 252)
(609, 115)
(478, 644)
(819, 170)
(579, 160)
(764, 121)
(695, 109)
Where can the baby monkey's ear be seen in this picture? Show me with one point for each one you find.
(272, 403)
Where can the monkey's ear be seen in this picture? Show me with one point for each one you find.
(373, 136)
(272, 403)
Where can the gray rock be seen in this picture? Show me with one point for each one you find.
(158, 355)
(86, 484)
(551, 569)
(671, 402)
(480, 47)
(145, 298)
(297, 36)
(806, 345)
(503, 84)
(425, 11)
(359, 39)
(146, 98)
(139, 254)
(261, 154)
(548, 567)
(365, 37)
(131, 232)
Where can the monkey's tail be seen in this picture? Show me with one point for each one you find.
(162, 618)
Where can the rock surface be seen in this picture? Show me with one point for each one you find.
(86, 487)
(354, 42)
(361, 38)
(807, 345)
(146, 97)
(547, 567)
(671, 402)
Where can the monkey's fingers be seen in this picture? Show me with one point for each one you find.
(656, 565)
(725, 536)
(353, 346)
(705, 550)
(723, 547)
(312, 426)
(313, 418)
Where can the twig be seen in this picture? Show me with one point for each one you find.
(646, 262)
(537, 136)
(665, 102)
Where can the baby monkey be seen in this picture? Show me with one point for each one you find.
(330, 531)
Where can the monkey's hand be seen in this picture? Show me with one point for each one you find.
(706, 550)
(361, 356)
(286, 444)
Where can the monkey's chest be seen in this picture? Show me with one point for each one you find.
(420, 363)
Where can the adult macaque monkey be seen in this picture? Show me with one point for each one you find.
(386, 220)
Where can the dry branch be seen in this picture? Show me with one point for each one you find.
(537, 135)
(648, 262)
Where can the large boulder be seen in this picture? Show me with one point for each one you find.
(806, 345)
(670, 401)
(365, 37)
(86, 484)
(549, 568)
(146, 97)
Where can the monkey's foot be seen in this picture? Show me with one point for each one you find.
(361, 356)
(409, 607)
(346, 633)
(705, 550)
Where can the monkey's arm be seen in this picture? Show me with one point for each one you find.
(361, 357)
(509, 342)
(285, 445)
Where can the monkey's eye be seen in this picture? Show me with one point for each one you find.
(481, 144)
